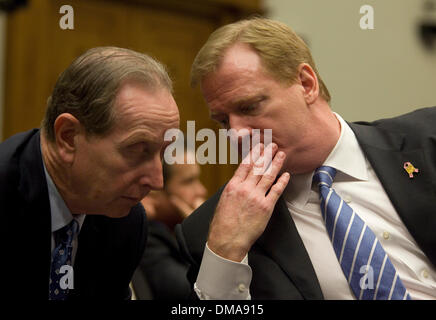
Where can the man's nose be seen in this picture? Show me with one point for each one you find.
(200, 190)
(238, 123)
(152, 174)
(240, 130)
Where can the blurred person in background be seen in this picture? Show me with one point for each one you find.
(162, 271)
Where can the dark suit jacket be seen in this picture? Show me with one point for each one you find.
(281, 266)
(108, 249)
(162, 267)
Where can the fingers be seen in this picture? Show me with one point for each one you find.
(247, 163)
(261, 166)
(268, 178)
(277, 189)
(245, 208)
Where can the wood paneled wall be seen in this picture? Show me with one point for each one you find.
(38, 50)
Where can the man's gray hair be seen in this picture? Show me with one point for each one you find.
(88, 87)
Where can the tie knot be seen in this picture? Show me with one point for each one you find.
(66, 234)
(324, 176)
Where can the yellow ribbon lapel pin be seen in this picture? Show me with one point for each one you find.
(410, 169)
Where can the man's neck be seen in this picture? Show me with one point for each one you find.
(55, 168)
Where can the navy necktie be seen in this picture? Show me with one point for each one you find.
(62, 256)
(366, 266)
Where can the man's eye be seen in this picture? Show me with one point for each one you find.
(137, 148)
(224, 122)
(249, 108)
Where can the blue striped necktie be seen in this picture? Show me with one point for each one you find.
(366, 266)
(62, 255)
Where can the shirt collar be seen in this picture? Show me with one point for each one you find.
(60, 214)
(346, 157)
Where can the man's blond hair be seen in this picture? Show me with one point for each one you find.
(281, 50)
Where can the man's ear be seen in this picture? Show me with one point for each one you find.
(309, 82)
(66, 129)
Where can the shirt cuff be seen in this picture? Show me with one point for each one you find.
(223, 279)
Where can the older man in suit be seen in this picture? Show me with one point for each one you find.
(72, 224)
(351, 222)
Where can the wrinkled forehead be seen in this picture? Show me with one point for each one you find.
(151, 111)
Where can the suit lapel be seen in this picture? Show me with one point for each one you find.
(283, 244)
(414, 199)
(36, 216)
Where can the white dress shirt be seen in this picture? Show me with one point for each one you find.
(356, 182)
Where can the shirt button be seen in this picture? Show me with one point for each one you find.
(424, 273)
(386, 235)
(241, 287)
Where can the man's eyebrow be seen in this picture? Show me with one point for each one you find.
(251, 99)
(213, 115)
(136, 138)
(238, 101)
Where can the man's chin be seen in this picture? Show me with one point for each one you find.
(120, 212)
